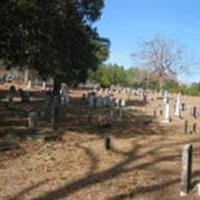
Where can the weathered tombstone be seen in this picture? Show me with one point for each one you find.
(186, 169)
(116, 102)
(145, 97)
(11, 93)
(165, 99)
(44, 85)
(120, 115)
(194, 127)
(32, 119)
(183, 106)
(107, 143)
(25, 96)
(111, 115)
(56, 112)
(194, 113)
(91, 100)
(154, 113)
(178, 106)
(166, 114)
(64, 93)
(122, 102)
(186, 126)
(99, 101)
(29, 85)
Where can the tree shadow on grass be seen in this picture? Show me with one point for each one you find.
(20, 194)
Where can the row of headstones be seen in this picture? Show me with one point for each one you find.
(193, 128)
(193, 112)
(178, 107)
(105, 101)
(24, 95)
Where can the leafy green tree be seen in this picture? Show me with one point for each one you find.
(52, 36)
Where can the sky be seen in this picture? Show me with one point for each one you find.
(127, 22)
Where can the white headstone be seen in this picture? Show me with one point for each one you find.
(178, 106)
(166, 113)
(44, 85)
(29, 85)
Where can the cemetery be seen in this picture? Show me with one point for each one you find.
(107, 141)
(99, 100)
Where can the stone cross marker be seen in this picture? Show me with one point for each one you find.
(186, 169)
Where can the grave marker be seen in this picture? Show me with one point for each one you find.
(186, 169)
(107, 143)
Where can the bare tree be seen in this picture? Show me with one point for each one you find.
(162, 57)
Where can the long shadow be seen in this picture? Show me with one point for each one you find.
(152, 188)
(87, 181)
(92, 157)
(144, 189)
(20, 194)
(114, 172)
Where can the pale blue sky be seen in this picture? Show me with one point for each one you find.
(125, 22)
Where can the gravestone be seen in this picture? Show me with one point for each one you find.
(99, 102)
(32, 119)
(122, 102)
(166, 114)
(107, 143)
(44, 85)
(56, 112)
(25, 96)
(178, 106)
(11, 93)
(186, 169)
(186, 126)
(194, 128)
(92, 100)
(183, 106)
(165, 99)
(29, 85)
(194, 113)
(120, 115)
(64, 93)
(111, 115)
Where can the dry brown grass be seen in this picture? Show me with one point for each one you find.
(144, 162)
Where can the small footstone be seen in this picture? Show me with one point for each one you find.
(108, 143)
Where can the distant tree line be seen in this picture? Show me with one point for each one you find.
(114, 74)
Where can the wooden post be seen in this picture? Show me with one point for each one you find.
(108, 143)
(186, 169)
